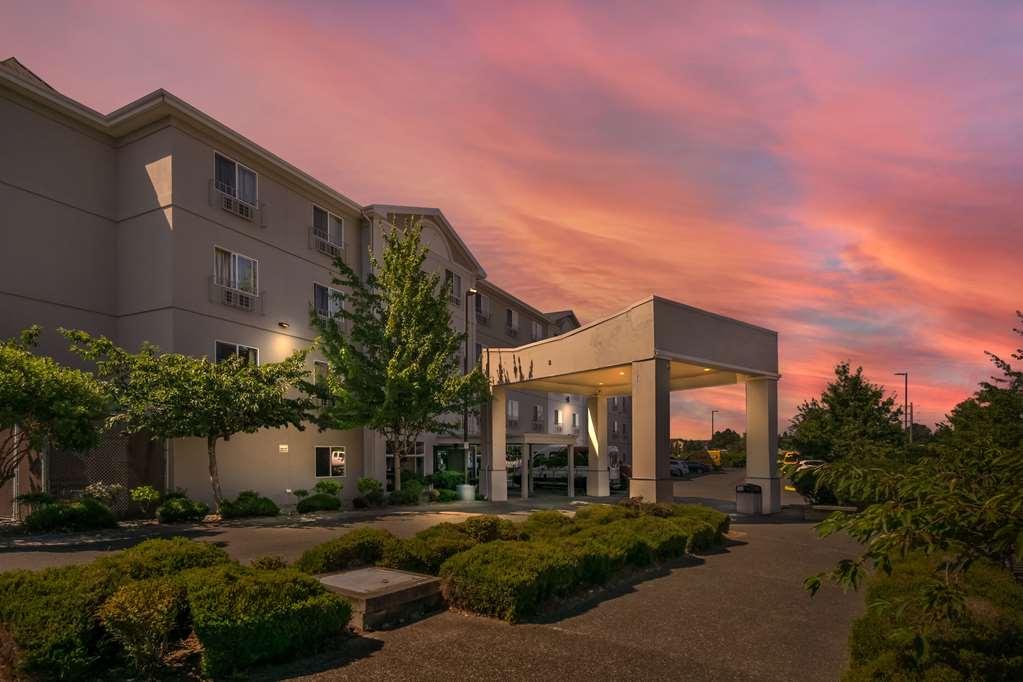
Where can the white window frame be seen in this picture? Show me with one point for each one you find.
(537, 413)
(330, 214)
(557, 418)
(234, 270)
(575, 420)
(511, 319)
(237, 184)
(330, 465)
(236, 347)
(513, 409)
(456, 284)
(536, 331)
(331, 291)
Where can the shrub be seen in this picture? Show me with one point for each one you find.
(318, 502)
(410, 493)
(245, 616)
(249, 503)
(142, 616)
(269, 563)
(36, 498)
(371, 490)
(509, 580)
(428, 550)
(360, 547)
(107, 493)
(447, 480)
(328, 486)
(51, 616)
(176, 493)
(177, 509)
(146, 497)
(445, 495)
(78, 515)
(486, 528)
(360, 503)
(548, 524)
(595, 514)
(985, 645)
(299, 493)
(163, 557)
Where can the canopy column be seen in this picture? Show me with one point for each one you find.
(527, 453)
(762, 441)
(598, 482)
(496, 446)
(651, 431)
(570, 451)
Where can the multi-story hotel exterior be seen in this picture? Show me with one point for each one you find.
(157, 223)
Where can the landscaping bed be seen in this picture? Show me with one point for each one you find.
(126, 614)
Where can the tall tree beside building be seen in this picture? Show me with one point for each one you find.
(392, 352)
(44, 403)
(852, 417)
(169, 395)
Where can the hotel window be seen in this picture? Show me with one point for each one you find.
(236, 180)
(330, 461)
(328, 227)
(320, 371)
(513, 409)
(223, 350)
(454, 281)
(482, 307)
(557, 417)
(537, 413)
(575, 420)
(511, 319)
(536, 333)
(615, 425)
(412, 462)
(327, 301)
(235, 271)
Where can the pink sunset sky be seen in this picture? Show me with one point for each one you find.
(848, 174)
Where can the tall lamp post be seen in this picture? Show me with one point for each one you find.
(465, 370)
(905, 405)
(712, 413)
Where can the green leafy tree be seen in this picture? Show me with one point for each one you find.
(44, 403)
(727, 440)
(396, 371)
(852, 417)
(960, 501)
(169, 395)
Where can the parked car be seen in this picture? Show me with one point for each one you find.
(790, 457)
(679, 468)
(809, 464)
(696, 467)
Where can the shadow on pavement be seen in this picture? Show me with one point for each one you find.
(347, 649)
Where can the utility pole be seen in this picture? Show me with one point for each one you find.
(911, 422)
(905, 404)
(712, 413)
(465, 370)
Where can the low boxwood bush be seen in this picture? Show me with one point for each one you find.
(487, 528)
(244, 616)
(163, 557)
(986, 645)
(548, 524)
(445, 495)
(177, 509)
(142, 616)
(428, 549)
(410, 493)
(318, 502)
(447, 480)
(508, 579)
(360, 547)
(328, 486)
(248, 503)
(269, 563)
(75, 515)
(370, 490)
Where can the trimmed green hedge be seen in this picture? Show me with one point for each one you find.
(77, 515)
(179, 509)
(244, 616)
(988, 645)
(318, 502)
(360, 547)
(248, 503)
(78, 621)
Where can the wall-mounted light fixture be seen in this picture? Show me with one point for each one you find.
(283, 325)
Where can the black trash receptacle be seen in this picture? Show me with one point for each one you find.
(747, 498)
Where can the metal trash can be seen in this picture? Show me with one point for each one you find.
(747, 498)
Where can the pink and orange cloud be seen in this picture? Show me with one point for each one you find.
(848, 175)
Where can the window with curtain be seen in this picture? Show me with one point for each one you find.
(247, 185)
(326, 301)
(330, 461)
(235, 271)
(224, 350)
(227, 175)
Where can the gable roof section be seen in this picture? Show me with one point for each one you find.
(439, 219)
(15, 67)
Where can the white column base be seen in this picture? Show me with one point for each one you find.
(770, 496)
(598, 482)
(498, 488)
(652, 490)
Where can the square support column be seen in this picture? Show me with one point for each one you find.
(570, 450)
(651, 431)
(762, 441)
(496, 447)
(527, 452)
(598, 482)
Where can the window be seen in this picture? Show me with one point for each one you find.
(412, 462)
(536, 333)
(615, 426)
(513, 409)
(235, 180)
(575, 420)
(557, 417)
(614, 402)
(330, 461)
(320, 371)
(327, 302)
(235, 271)
(329, 227)
(454, 281)
(482, 307)
(223, 350)
(511, 320)
(537, 413)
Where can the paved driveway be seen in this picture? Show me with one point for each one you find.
(737, 614)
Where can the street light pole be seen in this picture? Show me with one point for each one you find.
(465, 370)
(712, 413)
(905, 405)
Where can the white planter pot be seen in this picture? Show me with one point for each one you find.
(466, 492)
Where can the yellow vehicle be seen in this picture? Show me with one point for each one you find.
(790, 457)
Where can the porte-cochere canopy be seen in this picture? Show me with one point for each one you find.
(648, 350)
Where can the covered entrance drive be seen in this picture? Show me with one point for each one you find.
(647, 351)
(527, 441)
